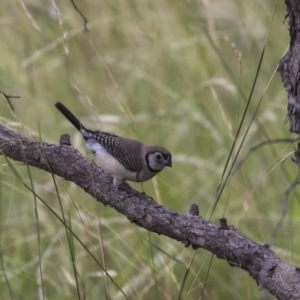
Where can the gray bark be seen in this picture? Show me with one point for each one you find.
(279, 278)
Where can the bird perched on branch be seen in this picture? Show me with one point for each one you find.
(123, 158)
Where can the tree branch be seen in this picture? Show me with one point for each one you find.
(279, 278)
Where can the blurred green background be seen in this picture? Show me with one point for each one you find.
(175, 73)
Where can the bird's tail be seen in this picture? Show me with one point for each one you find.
(69, 116)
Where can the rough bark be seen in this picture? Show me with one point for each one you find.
(279, 278)
(289, 66)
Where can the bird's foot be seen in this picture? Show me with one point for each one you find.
(124, 186)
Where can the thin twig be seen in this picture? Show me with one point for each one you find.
(256, 147)
(8, 97)
(242, 161)
(82, 16)
(284, 206)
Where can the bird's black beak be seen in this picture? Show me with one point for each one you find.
(168, 162)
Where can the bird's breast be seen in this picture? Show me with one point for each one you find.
(112, 166)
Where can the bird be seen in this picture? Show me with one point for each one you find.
(121, 157)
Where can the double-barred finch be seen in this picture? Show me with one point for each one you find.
(123, 158)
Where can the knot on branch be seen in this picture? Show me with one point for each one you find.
(65, 140)
(194, 210)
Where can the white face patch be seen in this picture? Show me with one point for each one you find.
(156, 161)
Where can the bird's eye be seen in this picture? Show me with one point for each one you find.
(158, 155)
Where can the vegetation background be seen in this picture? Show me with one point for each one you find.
(175, 73)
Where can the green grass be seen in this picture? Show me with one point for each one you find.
(175, 73)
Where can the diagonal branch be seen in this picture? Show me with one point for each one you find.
(279, 278)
